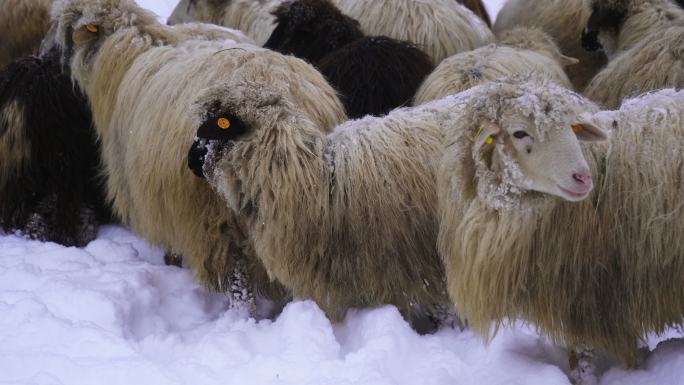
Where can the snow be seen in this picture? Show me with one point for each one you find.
(113, 313)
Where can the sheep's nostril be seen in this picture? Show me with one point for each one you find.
(582, 178)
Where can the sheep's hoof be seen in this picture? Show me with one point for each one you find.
(582, 366)
(173, 259)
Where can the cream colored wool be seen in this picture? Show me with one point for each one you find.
(441, 28)
(603, 272)
(521, 51)
(23, 25)
(252, 17)
(647, 53)
(141, 78)
(563, 20)
(350, 218)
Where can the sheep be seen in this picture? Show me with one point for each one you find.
(440, 27)
(140, 77)
(563, 20)
(23, 24)
(643, 39)
(373, 74)
(350, 218)
(49, 180)
(520, 51)
(600, 273)
(252, 17)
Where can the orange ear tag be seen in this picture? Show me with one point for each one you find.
(223, 123)
(91, 28)
(577, 128)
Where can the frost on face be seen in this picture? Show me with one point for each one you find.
(501, 188)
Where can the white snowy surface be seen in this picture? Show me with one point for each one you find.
(112, 313)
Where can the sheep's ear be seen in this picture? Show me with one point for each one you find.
(566, 61)
(588, 130)
(485, 134)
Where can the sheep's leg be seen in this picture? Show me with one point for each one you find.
(173, 259)
(582, 366)
(240, 289)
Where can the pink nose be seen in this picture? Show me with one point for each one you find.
(582, 178)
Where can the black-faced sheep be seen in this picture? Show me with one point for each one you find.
(349, 218)
(563, 20)
(23, 25)
(602, 273)
(373, 74)
(521, 51)
(644, 40)
(252, 17)
(439, 27)
(49, 180)
(140, 78)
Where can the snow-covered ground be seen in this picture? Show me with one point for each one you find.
(112, 313)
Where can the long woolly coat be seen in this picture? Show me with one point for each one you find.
(23, 25)
(604, 272)
(141, 78)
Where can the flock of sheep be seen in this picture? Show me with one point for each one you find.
(368, 152)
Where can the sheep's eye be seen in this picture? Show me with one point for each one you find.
(577, 128)
(520, 134)
(92, 28)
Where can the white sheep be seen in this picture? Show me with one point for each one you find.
(350, 218)
(563, 20)
(141, 78)
(252, 17)
(439, 27)
(602, 273)
(520, 51)
(23, 25)
(643, 39)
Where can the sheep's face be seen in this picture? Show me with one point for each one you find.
(207, 11)
(218, 130)
(604, 24)
(526, 159)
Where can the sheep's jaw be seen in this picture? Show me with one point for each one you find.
(197, 155)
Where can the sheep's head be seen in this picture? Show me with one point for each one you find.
(251, 136)
(525, 138)
(608, 18)
(207, 11)
(310, 29)
(81, 26)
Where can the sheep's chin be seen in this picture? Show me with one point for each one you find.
(569, 195)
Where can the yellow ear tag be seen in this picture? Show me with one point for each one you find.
(223, 123)
(489, 140)
(577, 128)
(91, 28)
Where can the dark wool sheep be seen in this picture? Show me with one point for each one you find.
(376, 74)
(49, 180)
(311, 29)
(373, 74)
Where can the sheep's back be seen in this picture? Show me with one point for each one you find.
(441, 28)
(563, 20)
(469, 69)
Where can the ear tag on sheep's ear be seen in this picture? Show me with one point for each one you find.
(223, 127)
(223, 123)
(577, 128)
(91, 28)
(489, 140)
